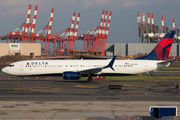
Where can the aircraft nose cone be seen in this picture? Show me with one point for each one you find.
(4, 70)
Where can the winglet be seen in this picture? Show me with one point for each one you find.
(111, 63)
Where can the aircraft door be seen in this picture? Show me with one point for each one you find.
(21, 67)
(145, 66)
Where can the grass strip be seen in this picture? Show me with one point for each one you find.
(167, 68)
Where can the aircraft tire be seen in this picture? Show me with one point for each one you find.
(89, 79)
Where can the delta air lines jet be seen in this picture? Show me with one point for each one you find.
(75, 69)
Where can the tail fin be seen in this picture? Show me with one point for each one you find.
(162, 49)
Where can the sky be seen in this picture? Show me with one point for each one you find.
(123, 26)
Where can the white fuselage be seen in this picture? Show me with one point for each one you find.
(57, 67)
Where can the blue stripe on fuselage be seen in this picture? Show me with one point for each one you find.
(60, 74)
(50, 74)
(114, 74)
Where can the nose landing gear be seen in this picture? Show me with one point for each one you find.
(18, 79)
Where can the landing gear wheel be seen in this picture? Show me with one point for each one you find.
(89, 79)
(18, 79)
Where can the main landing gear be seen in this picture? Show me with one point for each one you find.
(89, 79)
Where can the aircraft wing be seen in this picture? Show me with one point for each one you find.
(90, 71)
(98, 69)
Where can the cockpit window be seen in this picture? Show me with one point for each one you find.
(11, 65)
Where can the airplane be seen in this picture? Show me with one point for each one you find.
(75, 69)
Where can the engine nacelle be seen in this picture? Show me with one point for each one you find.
(71, 75)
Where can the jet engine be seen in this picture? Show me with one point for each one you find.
(71, 75)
